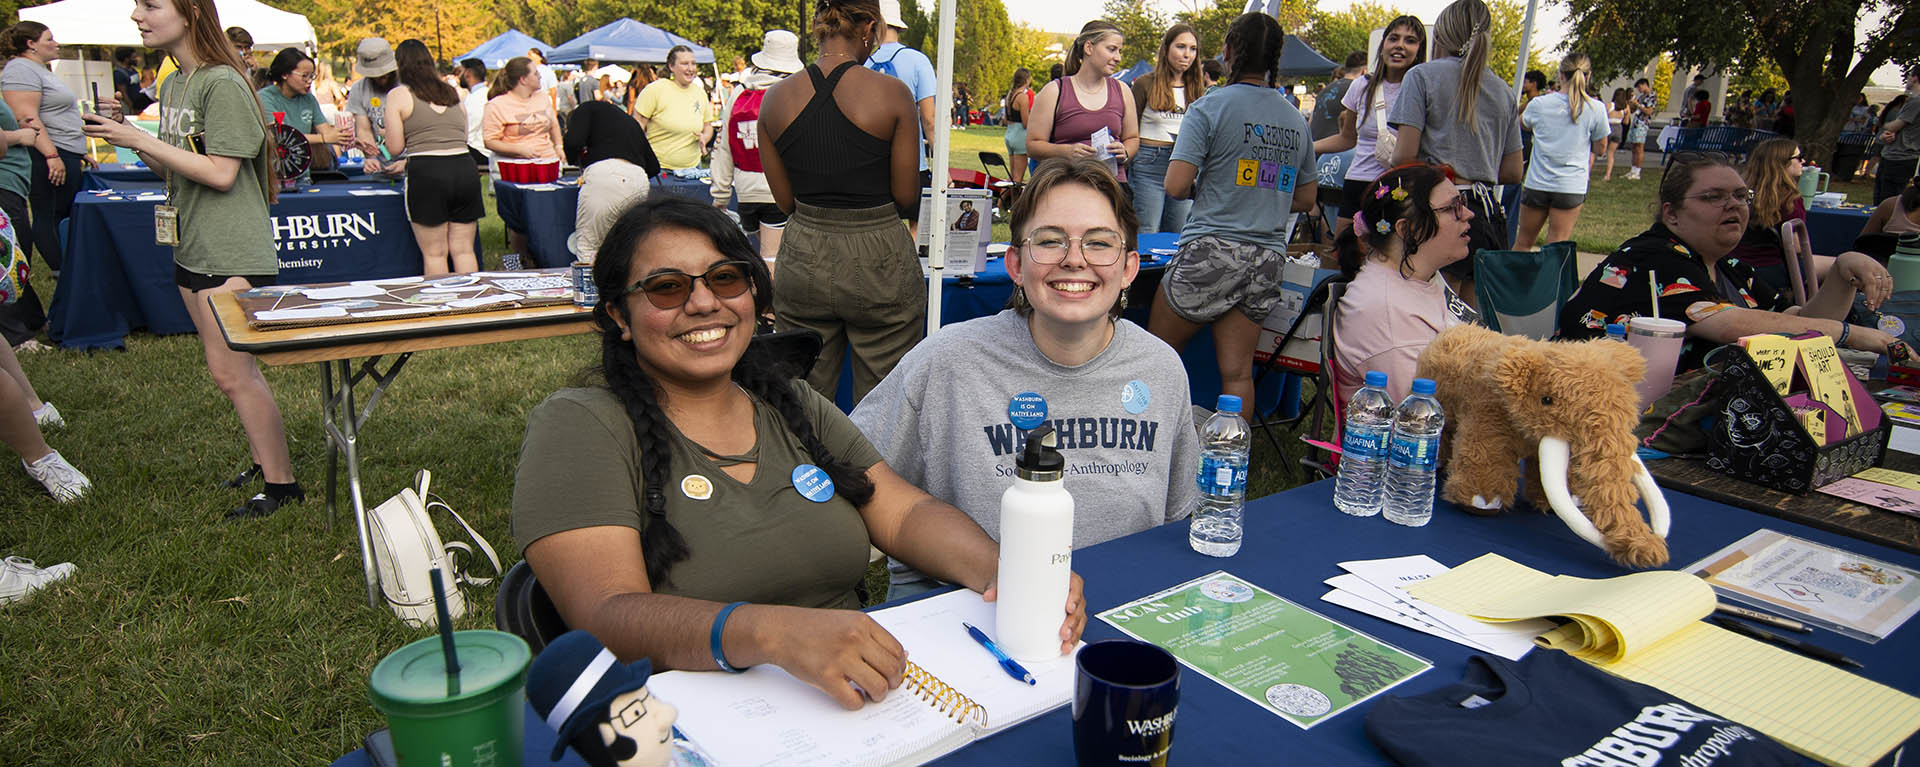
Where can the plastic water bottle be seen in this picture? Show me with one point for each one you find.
(1360, 489)
(1616, 332)
(1413, 456)
(1225, 444)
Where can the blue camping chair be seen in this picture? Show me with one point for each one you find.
(1521, 291)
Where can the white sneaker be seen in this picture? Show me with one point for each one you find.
(18, 577)
(66, 483)
(48, 416)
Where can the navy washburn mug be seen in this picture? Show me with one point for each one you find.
(1125, 696)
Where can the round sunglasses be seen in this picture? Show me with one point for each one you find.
(670, 289)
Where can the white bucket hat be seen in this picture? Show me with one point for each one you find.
(779, 52)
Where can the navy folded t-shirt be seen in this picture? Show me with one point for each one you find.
(1552, 709)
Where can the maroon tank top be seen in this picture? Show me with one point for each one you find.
(1075, 124)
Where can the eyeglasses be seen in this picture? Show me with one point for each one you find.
(1458, 207)
(1796, 156)
(1719, 198)
(1100, 247)
(670, 289)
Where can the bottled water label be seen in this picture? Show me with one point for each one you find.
(1370, 443)
(1221, 476)
(1414, 452)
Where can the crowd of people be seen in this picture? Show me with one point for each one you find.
(655, 504)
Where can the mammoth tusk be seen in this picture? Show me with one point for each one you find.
(1657, 514)
(1554, 455)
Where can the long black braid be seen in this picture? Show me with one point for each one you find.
(660, 542)
(1254, 42)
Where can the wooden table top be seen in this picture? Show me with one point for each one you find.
(292, 346)
(1815, 509)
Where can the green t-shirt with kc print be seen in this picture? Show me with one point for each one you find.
(759, 541)
(221, 233)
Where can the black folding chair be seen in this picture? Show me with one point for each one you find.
(999, 175)
(1318, 313)
(523, 609)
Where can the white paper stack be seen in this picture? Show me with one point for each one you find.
(1377, 587)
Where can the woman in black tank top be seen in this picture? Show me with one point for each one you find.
(845, 166)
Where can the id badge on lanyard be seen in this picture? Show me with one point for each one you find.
(166, 217)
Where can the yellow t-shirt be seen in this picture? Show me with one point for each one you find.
(676, 117)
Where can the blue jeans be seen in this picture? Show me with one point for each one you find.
(1157, 211)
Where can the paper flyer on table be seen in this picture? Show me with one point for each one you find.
(1833, 588)
(1285, 658)
(969, 228)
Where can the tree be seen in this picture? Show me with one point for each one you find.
(1211, 19)
(1339, 33)
(1509, 20)
(983, 49)
(730, 27)
(341, 24)
(1811, 41)
(1141, 24)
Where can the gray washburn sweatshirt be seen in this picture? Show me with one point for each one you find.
(1124, 423)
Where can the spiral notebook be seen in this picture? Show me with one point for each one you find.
(955, 693)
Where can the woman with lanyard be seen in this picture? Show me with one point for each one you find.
(667, 509)
(215, 153)
(1019, 105)
(290, 94)
(1452, 111)
(40, 100)
(1681, 269)
(426, 129)
(845, 166)
(1363, 124)
(1062, 339)
(1243, 184)
(1161, 98)
(1070, 112)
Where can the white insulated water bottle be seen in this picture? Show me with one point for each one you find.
(1036, 553)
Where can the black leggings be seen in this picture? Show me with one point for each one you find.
(52, 204)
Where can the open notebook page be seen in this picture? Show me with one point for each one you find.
(1809, 706)
(767, 717)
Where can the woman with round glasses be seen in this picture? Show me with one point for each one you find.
(1411, 223)
(1680, 269)
(699, 508)
(951, 418)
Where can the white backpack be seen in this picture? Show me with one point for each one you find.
(406, 546)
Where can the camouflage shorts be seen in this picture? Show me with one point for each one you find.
(1211, 275)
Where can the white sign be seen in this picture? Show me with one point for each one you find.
(969, 227)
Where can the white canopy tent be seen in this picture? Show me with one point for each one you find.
(106, 22)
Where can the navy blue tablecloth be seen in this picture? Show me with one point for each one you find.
(1832, 230)
(546, 214)
(1294, 541)
(112, 175)
(116, 279)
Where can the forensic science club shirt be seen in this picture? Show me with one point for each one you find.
(1551, 709)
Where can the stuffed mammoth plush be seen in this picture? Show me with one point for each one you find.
(1571, 407)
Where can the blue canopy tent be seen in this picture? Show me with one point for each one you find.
(1299, 59)
(626, 40)
(495, 53)
(1133, 72)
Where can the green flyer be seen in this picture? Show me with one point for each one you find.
(1282, 656)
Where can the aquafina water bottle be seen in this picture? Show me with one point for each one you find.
(1361, 487)
(1413, 456)
(1225, 444)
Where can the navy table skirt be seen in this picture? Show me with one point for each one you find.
(112, 175)
(1832, 230)
(545, 212)
(116, 279)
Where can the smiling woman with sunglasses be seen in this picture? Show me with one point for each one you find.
(1680, 269)
(680, 510)
(1411, 222)
(1116, 395)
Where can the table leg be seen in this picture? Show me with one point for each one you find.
(326, 429)
(342, 421)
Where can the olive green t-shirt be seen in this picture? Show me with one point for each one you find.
(759, 541)
(224, 233)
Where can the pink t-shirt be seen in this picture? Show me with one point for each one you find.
(1385, 321)
(524, 123)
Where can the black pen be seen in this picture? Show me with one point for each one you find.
(1811, 651)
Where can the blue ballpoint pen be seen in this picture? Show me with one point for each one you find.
(1013, 669)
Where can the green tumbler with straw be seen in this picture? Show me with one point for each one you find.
(1905, 264)
(475, 718)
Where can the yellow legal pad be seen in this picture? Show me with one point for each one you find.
(1646, 627)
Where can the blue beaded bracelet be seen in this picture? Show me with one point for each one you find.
(719, 623)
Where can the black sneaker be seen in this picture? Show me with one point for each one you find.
(265, 504)
(245, 478)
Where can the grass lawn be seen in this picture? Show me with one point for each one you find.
(188, 640)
